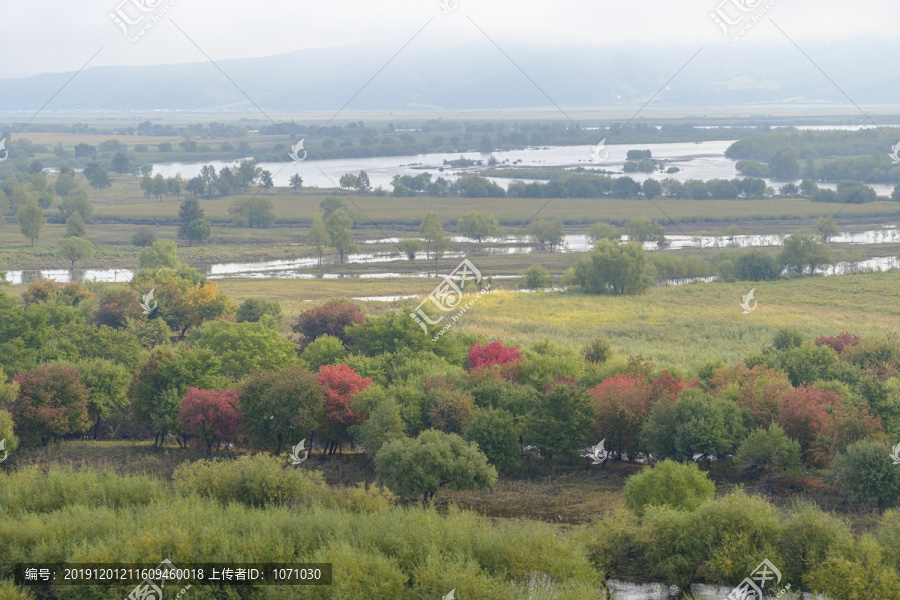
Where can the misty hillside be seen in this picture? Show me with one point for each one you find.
(472, 78)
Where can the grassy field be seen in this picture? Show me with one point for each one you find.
(124, 201)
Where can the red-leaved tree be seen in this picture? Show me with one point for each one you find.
(760, 391)
(622, 405)
(52, 402)
(340, 383)
(211, 415)
(494, 353)
(804, 415)
(668, 387)
(331, 318)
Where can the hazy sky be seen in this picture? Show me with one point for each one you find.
(42, 36)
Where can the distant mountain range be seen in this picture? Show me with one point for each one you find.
(477, 78)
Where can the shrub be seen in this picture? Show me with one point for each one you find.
(252, 310)
(494, 353)
(255, 480)
(809, 537)
(769, 450)
(787, 338)
(860, 576)
(143, 237)
(598, 351)
(612, 540)
(839, 342)
(450, 408)
(434, 460)
(536, 277)
(560, 420)
(670, 484)
(866, 473)
(756, 266)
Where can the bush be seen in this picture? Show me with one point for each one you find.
(860, 576)
(756, 266)
(255, 480)
(494, 353)
(612, 540)
(670, 484)
(866, 473)
(253, 309)
(536, 277)
(810, 536)
(612, 268)
(115, 309)
(434, 460)
(598, 351)
(787, 338)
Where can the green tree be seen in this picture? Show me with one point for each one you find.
(478, 226)
(190, 210)
(436, 241)
(198, 230)
(75, 249)
(340, 232)
(75, 226)
(330, 204)
(756, 265)
(31, 220)
(143, 237)
(827, 228)
(769, 450)
(318, 236)
(252, 310)
(348, 181)
(162, 254)
(866, 473)
(697, 424)
(670, 484)
(784, 165)
(604, 231)
(242, 348)
(265, 180)
(108, 383)
(324, 350)
(496, 433)
(642, 229)
(612, 268)
(409, 247)
(652, 188)
(536, 277)
(432, 461)
(804, 252)
(560, 421)
(383, 425)
(281, 407)
(547, 233)
(255, 212)
(77, 203)
(295, 182)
